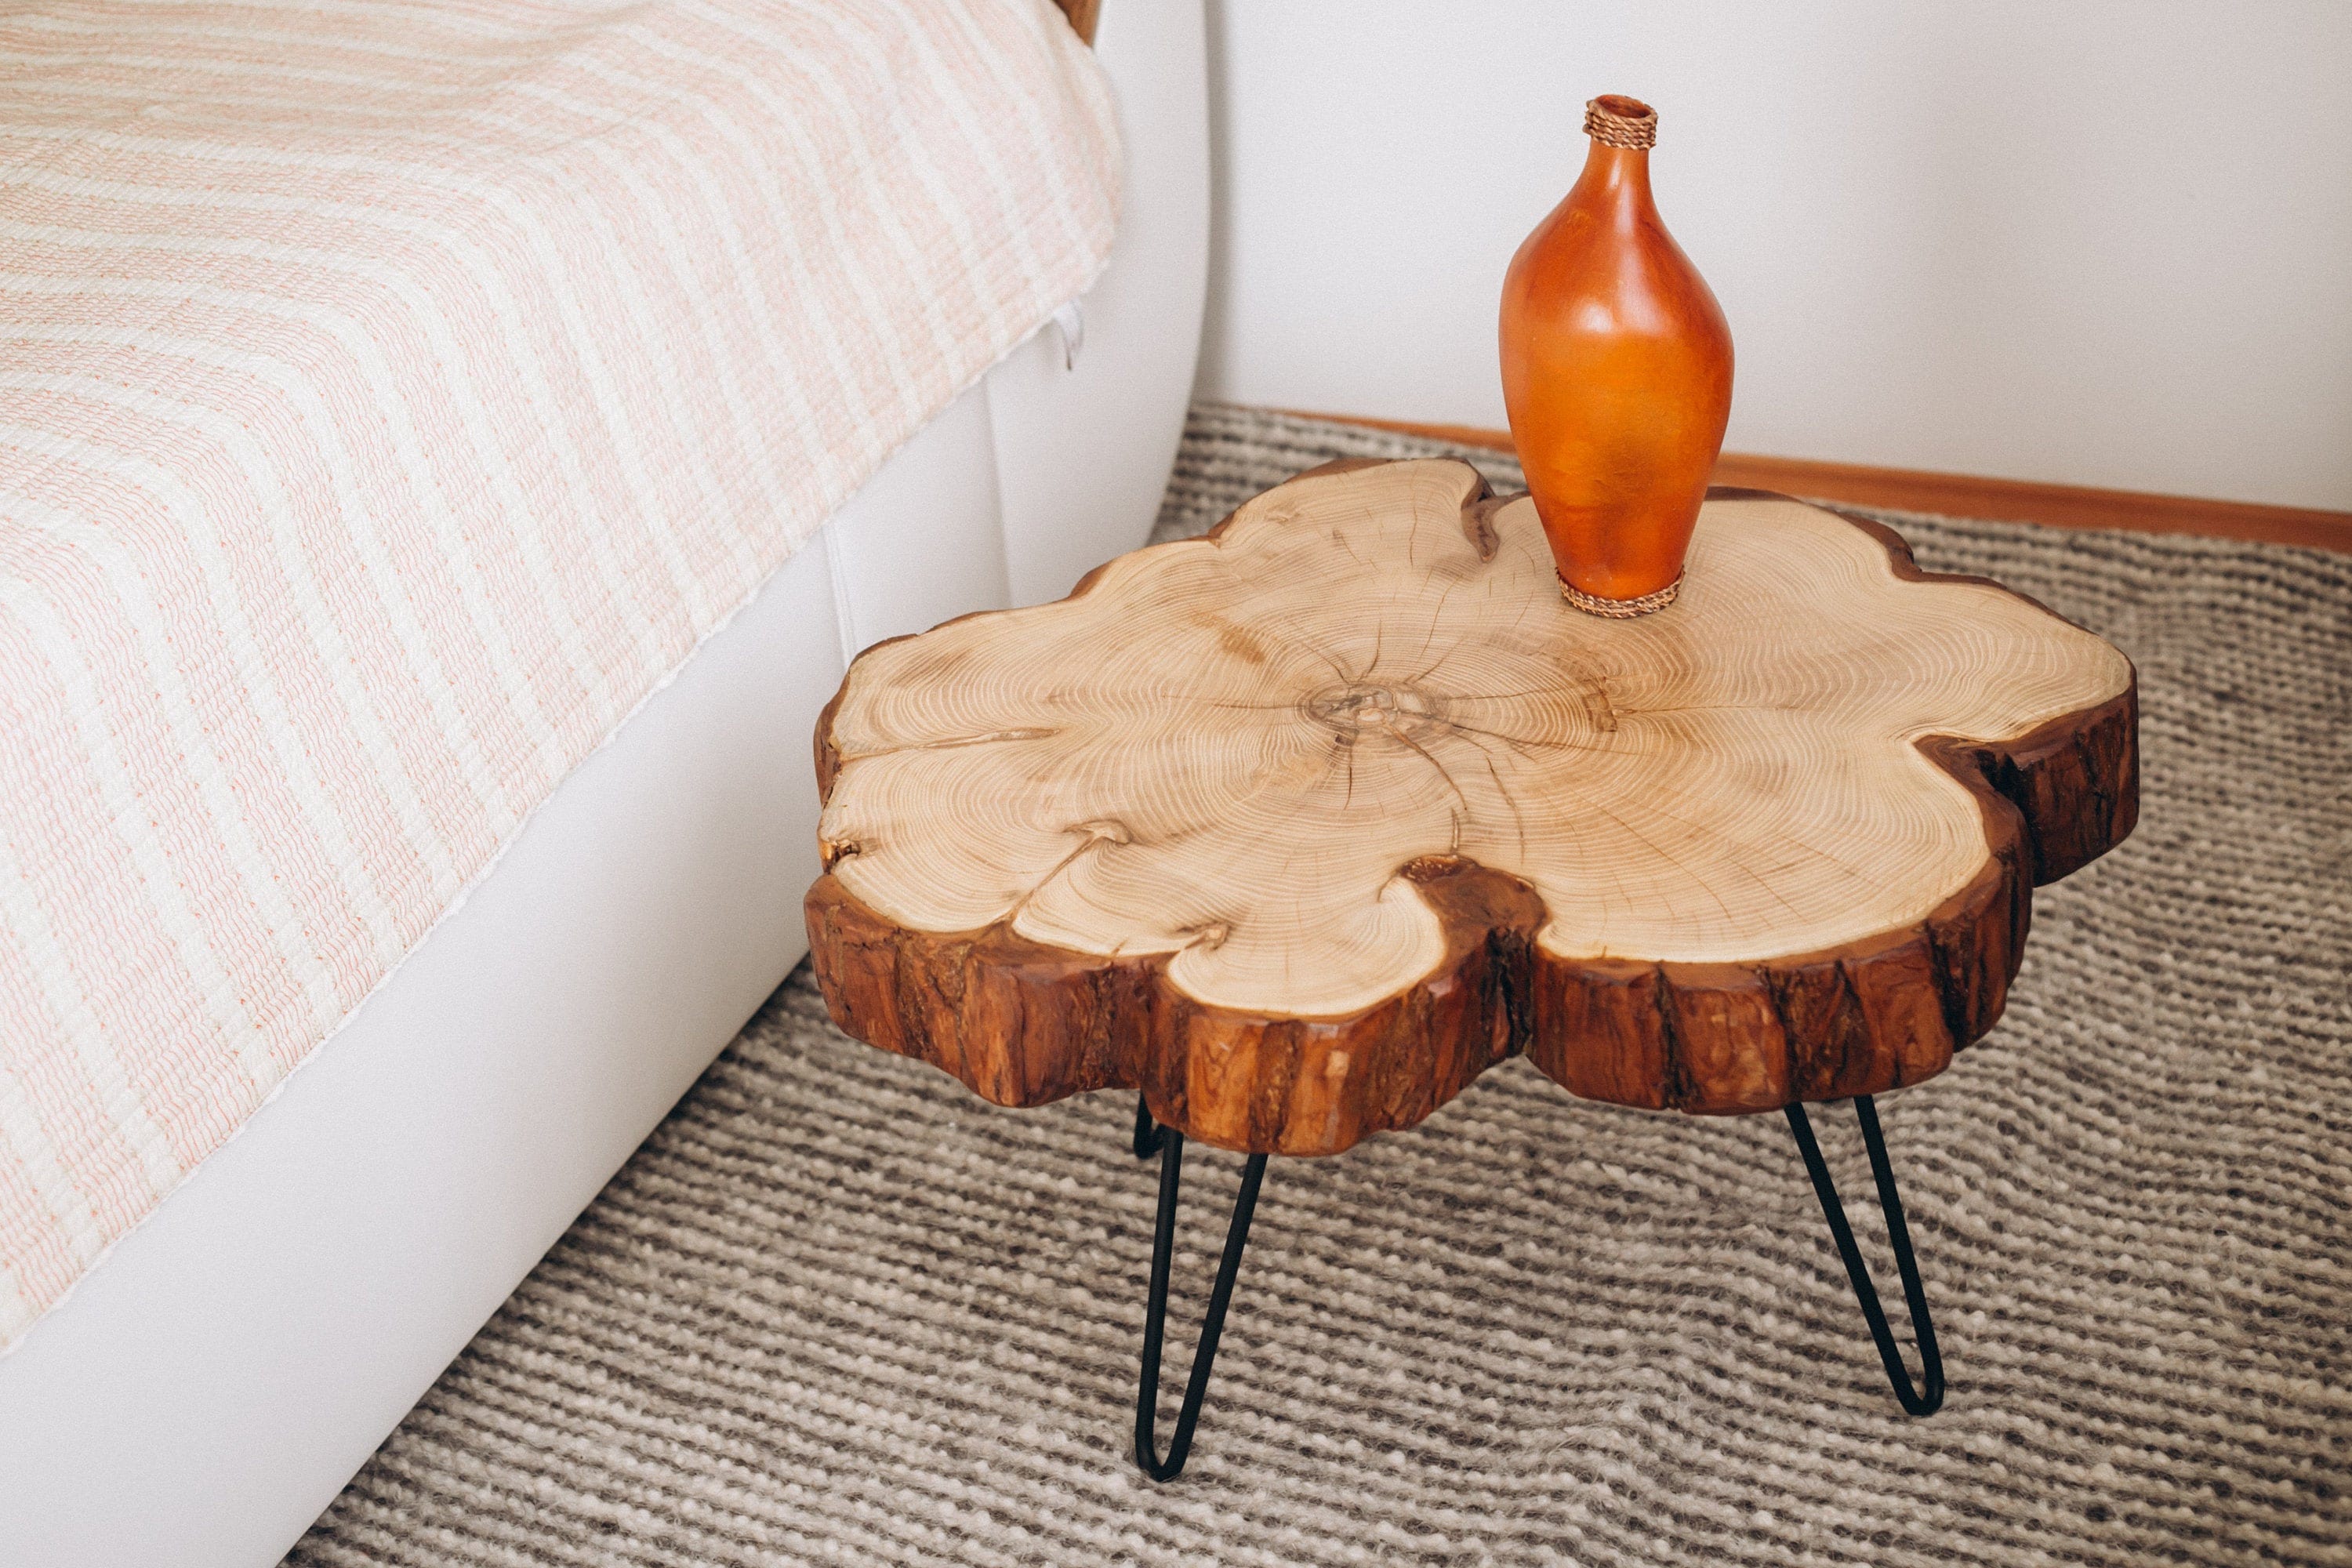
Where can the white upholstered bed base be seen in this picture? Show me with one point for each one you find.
(211, 1385)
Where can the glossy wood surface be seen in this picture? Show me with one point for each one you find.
(1617, 378)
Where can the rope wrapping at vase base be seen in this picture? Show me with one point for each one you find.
(839, 1310)
(1621, 609)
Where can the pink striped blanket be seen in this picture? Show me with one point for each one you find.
(392, 393)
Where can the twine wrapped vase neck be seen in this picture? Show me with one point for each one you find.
(1616, 121)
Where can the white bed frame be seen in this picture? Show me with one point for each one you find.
(214, 1380)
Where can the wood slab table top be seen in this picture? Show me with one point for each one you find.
(1300, 826)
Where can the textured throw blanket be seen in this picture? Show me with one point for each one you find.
(391, 397)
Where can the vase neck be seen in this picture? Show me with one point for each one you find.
(1616, 178)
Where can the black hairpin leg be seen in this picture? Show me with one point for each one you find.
(1918, 1402)
(1149, 1133)
(1170, 1144)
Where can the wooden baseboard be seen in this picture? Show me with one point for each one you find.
(1965, 495)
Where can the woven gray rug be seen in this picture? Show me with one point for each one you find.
(837, 1311)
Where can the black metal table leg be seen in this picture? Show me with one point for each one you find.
(1148, 1132)
(1917, 1401)
(1170, 1144)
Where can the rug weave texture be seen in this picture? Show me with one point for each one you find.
(839, 1310)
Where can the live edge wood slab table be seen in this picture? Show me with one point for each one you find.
(1297, 827)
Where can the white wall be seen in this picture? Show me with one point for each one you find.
(2093, 244)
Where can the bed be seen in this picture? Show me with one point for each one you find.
(193, 1373)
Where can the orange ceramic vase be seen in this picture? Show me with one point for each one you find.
(1617, 376)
